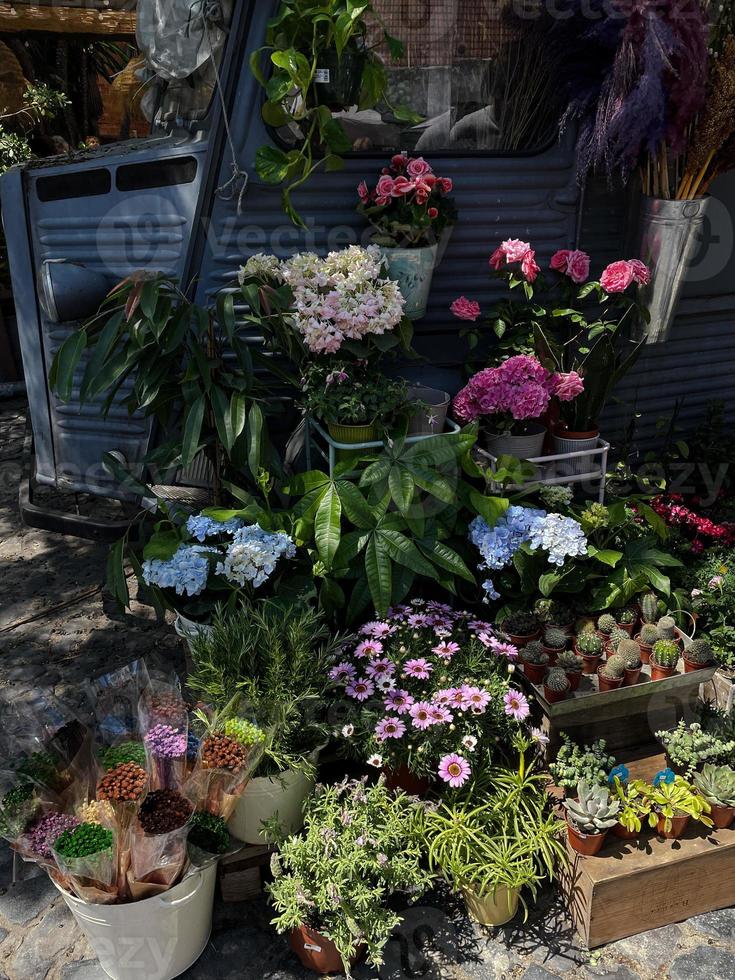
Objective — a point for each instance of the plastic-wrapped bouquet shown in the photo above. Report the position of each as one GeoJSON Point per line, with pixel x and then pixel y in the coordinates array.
{"type": "Point", "coordinates": [429, 691]}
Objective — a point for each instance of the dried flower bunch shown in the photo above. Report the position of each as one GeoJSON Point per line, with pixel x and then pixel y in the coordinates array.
{"type": "Point", "coordinates": [165, 742]}
{"type": "Point", "coordinates": [164, 810]}
{"type": "Point", "coordinates": [221, 752]}
{"type": "Point", "coordinates": [83, 841]}
{"type": "Point", "coordinates": [44, 832]}
{"type": "Point", "coordinates": [125, 783]}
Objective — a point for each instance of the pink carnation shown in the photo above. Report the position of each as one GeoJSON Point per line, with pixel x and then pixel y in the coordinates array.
{"type": "Point", "coordinates": [465, 309]}
{"type": "Point", "coordinates": [568, 386]}
{"type": "Point", "coordinates": [617, 277]}
{"type": "Point", "coordinates": [573, 263]}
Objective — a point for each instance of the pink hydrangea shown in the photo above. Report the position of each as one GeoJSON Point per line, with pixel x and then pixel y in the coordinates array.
{"type": "Point", "coordinates": [568, 386]}
{"type": "Point", "coordinates": [455, 770]}
{"type": "Point", "coordinates": [465, 309]}
{"type": "Point", "coordinates": [573, 263]}
{"type": "Point", "coordinates": [520, 387]}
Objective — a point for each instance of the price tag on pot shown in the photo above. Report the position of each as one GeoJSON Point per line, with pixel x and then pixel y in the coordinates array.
{"type": "Point", "coordinates": [312, 947]}
{"type": "Point", "coordinates": [322, 76]}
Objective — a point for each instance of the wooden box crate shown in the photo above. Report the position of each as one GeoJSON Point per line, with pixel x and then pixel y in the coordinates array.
{"type": "Point", "coordinates": [241, 873]}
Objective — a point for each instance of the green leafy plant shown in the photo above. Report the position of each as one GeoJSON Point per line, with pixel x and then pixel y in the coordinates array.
{"type": "Point", "coordinates": [665, 653]}
{"type": "Point", "coordinates": [674, 799]}
{"type": "Point", "coordinates": [349, 393]}
{"type": "Point", "coordinates": [689, 746]}
{"type": "Point", "coordinates": [360, 845]}
{"type": "Point", "coordinates": [594, 812]}
{"type": "Point", "coordinates": [716, 784]}
{"type": "Point", "coordinates": [304, 40]}
{"type": "Point", "coordinates": [209, 832]}
{"type": "Point", "coordinates": [575, 763]}
{"type": "Point", "coordinates": [723, 641]}
{"type": "Point", "coordinates": [634, 803]}
{"type": "Point", "coordinates": [39, 103]}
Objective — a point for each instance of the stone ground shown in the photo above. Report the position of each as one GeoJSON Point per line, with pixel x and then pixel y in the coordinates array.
{"type": "Point", "coordinates": [57, 631]}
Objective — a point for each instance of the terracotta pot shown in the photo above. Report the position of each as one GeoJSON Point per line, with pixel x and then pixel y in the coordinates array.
{"type": "Point", "coordinates": [316, 952]}
{"type": "Point", "coordinates": [678, 826]}
{"type": "Point", "coordinates": [645, 650]}
{"type": "Point", "coordinates": [608, 683]}
{"type": "Point", "coordinates": [628, 627]}
{"type": "Point", "coordinates": [574, 677]}
{"type": "Point", "coordinates": [403, 778]}
{"type": "Point", "coordinates": [690, 667]}
{"type": "Point", "coordinates": [722, 816]}
{"type": "Point", "coordinates": [661, 673]}
{"type": "Point", "coordinates": [553, 697]}
{"type": "Point", "coordinates": [587, 844]}
{"type": "Point", "coordinates": [632, 676]}
{"type": "Point", "coordinates": [522, 641]}
{"type": "Point", "coordinates": [591, 663]}
{"type": "Point", "coordinates": [552, 653]}
{"type": "Point", "coordinates": [623, 833]}
{"type": "Point", "coordinates": [494, 909]}
{"type": "Point", "coordinates": [535, 672]}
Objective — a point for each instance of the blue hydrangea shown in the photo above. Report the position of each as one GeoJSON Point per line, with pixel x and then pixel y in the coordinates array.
{"type": "Point", "coordinates": [491, 592]}
{"type": "Point", "coordinates": [253, 555]}
{"type": "Point", "coordinates": [186, 572]}
{"type": "Point", "coordinates": [202, 527]}
{"type": "Point", "coordinates": [561, 536]}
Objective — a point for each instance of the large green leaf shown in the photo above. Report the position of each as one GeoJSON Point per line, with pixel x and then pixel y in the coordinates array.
{"type": "Point", "coordinates": [355, 506]}
{"type": "Point", "coordinates": [448, 559]}
{"type": "Point", "coordinates": [271, 164]}
{"type": "Point", "coordinates": [104, 344]}
{"type": "Point", "coordinates": [607, 556]}
{"type": "Point", "coordinates": [61, 376]}
{"type": "Point", "coordinates": [491, 509]}
{"type": "Point", "coordinates": [379, 575]}
{"type": "Point", "coordinates": [192, 431]}
{"type": "Point", "coordinates": [401, 486]}
{"type": "Point", "coordinates": [328, 525]}
{"type": "Point", "coordinates": [402, 550]}
{"type": "Point", "coordinates": [255, 434]}
{"type": "Point", "coordinates": [162, 545]}
{"type": "Point", "coordinates": [117, 582]}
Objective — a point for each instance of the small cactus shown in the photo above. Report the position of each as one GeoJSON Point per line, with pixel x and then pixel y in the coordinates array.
{"type": "Point", "coordinates": [590, 644]}
{"type": "Point", "coordinates": [649, 634]}
{"type": "Point", "coordinates": [665, 653]}
{"type": "Point", "coordinates": [617, 636]}
{"type": "Point", "coordinates": [614, 668]}
{"type": "Point", "coordinates": [630, 653]}
{"type": "Point", "coordinates": [700, 652]}
{"type": "Point", "coordinates": [625, 616]}
{"type": "Point", "coordinates": [606, 624]}
{"type": "Point", "coordinates": [584, 625]}
{"type": "Point", "coordinates": [520, 624]}
{"type": "Point", "coordinates": [555, 638]}
{"type": "Point", "coordinates": [667, 628]}
{"type": "Point", "coordinates": [533, 653]}
{"type": "Point", "coordinates": [568, 660]}
{"type": "Point", "coordinates": [557, 680]}
{"type": "Point", "coordinates": [649, 608]}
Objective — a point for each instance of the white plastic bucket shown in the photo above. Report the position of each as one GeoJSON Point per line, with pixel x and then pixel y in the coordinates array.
{"type": "Point", "coordinates": [156, 939]}
{"type": "Point", "coordinates": [188, 630]}
{"type": "Point", "coordinates": [264, 797]}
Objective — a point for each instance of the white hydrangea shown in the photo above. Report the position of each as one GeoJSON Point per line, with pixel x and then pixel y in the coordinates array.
{"type": "Point", "coordinates": [253, 555]}
{"type": "Point", "coordinates": [261, 266]}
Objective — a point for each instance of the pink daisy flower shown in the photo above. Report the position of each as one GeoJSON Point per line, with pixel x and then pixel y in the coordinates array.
{"type": "Point", "coordinates": [382, 666]}
{"type": "Point", "coordinates": [342, 673]}
{"type": "Point", "coordinates": [399, 701]}
{"type": "Point", "coordinates": [445, 650]}
{"type": "Point", "coordinates": [369, 648]}
{"type": "Point", "coordinates": [419, 619]}
{"type": "Point", "coordinates": [421, 715]}
{"type": "Point", "coordinates": [459, 697]}
{"type": "Point", "coordinates": [420, 668]}
{"type": "Point", "coordinates": [455, 770]}
{"type": "Point", "coordinates": [441, 715]}
{"type": "Point", "coordinates": [378, 630]}
{"type": "Point", "coordinates": [477, 699]}
{"type": "Point", "coordinates": [504, 649]}
{"type": "Point", "coordinates": [516, 705]}
{"type": "Point", "coordinates": [443, 697]}
{"type": "Point", "coordinates": [360, 689]}
{"type": "Point", "coordinates": [389, 728]}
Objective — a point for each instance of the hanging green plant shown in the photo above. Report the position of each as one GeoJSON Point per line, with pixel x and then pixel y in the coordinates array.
{"type": "Point", "coordinates": [320, 60]}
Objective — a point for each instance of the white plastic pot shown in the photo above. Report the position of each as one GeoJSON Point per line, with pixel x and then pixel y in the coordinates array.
{"type": "Point", "coordinates": [189, 630]}
{"type": "Point", "coordinates": [158, 938]}
{"type": "Point", "coordinates": [266, 796]}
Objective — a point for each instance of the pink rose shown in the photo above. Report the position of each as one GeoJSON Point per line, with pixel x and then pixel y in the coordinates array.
{"type": "Point", "coordinates": [617, 277]}
{"type": "Point", "coordinates": [418, 167]}
{"type": "Point", "coordinates": [401, 186]}
{"type": "Point", "coordinates": [529, 268]}
{"type": "Point", "coordinates": [465, 309]}
{"type": "Point", "coordinates": [515, 250]}
{"type": "Point", "coordinates": [362, 190]}
{"type": "Point", "coordinates": [568, 386]}
{"type": "Point", "coordinates": [445, 185]}
{"type": "Point", "coordinates": [398, 162]}
{"type": "Point", "coordinates": [641, 272]}
{"type": "Point", "coordinates": [497, 259]}
{"type": "Point", "coordinates": [573, 263]}
{"type": "Point", "coordinates": [384, 190]}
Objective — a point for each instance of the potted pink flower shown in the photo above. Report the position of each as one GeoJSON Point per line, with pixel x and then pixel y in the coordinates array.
{"type": "Point", "coordinates": [410, 210]}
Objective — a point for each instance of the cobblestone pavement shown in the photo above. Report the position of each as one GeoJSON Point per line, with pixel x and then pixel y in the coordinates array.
{"type": "Point", "coordinates": [57, 630]}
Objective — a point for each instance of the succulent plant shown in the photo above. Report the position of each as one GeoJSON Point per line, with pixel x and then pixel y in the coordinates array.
{"type": "Point", "coordinates": [594, 812]}
{"type": "Point", "coordinates": [649, 634]}
{"type": "Point", "coordinates": [625, 616]}
{"type": "Point", "coordinates": [534, 653]}
{"type": "Point", "coordinates": [555, 638]}
{"type": "Point", "coordinates": [575, 763]}
{"type": "Point", "coordinates": [617, 636]}
{"type": "Point", "coordinates": [589, 643]}
{"type": "Point", "coordinates": [520, 624]}
{"type": "Point", "coordinates": [557, 681]}
{"type": "Point", "coordinates": [552, 612]}
{"type": "Point", "coordinates": [667, 628]}
{"type": "Point", "coordinates": [716, 784]}
{"type": "Point", "coordinates": [568, 660]}
{"type": "Point", "coordinates": [649, 608]}
{"type": "Point", "coordinates": [630, 653]}
{"type": "Point", "coordinates": [606, 624]}
{"type": "Point", "coordinates": [700, 652]}
{"type": "Point", "coordinates": [614, 668]}
{"type": "Point", "coordinates": [665, 653]}
{"type": "Point", "coordinates": [689, 746]}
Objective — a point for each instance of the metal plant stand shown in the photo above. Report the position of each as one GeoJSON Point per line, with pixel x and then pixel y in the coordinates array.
{"type": "Point", "coordinates": [547, 469]}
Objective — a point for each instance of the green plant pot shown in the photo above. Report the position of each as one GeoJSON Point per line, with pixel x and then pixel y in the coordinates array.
{"type": "Point", "coordinates": [413, 270]}
{"type": "Point", "coordinates": [352, 435]}
{"type": "Point", "coordinates": [494, 909]}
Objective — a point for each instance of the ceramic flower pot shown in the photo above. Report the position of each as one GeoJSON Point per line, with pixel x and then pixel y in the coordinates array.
{"type": "Point", "coordinates": [678, 826]}
{"type": "Point", "coordinates": [660, 673]}
{"type": "Point", "coordinates": [722, 816]}
{"type": "Point", "coordinates": [535, 672]}
{"type": "Point", "coordinates": [566, 441]}
{"type": "Point", "coordinates": [628, 627]}
{"type": "Point", "coordinates": [552, 653]}
{"type": "Point", "coordinates": [413, 270]}
{"type": "Point", "coordinates": [587, 844]}
{"type": "Point", "coordinates": [493, 909]}
{"type": "Point", "coordinates": [431, 417]}
{"type": "Point", "coordinates": [530, 446]}
{"type": "Point", "coordinates": [632, 676]}
{"type": "Point", "coordinates": [265, 797]}
{"type": "Point", "coordinates": [574, 677]}
{"type": "Point", "coordinates": [316, 952]}
{"type": "Point", "coordinates": [554, 697]}
{"type": "Point", "coordinates": [608, 683]}
{"type": "Point", "coordinates": [402, 778]}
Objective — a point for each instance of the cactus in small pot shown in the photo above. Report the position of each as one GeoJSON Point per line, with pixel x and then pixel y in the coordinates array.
{"type": "Point", "coordinates": [611, 673]}
{"type": "Point", "coordinates": [590, 817]}
{"type": "Point", "coordinates": [664, 658]}
{"type": "Point", "coordinates": [556, 685]}
{"type": "Point", "coordinates": [649, 608]}
{"type": "Point", "coordinates": [535, 660]}
{"type": "Point", "coordinates": [555, 638]}
{"type": "Point", "coordinates": [649, 634]}
{"type": "Point", "coordinates": [697, 655]}
{"type": "Point", "coordinates": [630, 653]}
{"type": "Point", "coordinates": [717, 785]}
{"type": "Point", "coordinates": [572, 665]}
{"type": "Point", "coordinates": [589, 646]}
{"type": "Point", "coordinates": [667, 628]}
{"type": "Point", "coordinates": [606, 624]}
{"type": "Point", "coordinates": [617, 636]}
{"type": "Point", "coordinates": [625, 617]}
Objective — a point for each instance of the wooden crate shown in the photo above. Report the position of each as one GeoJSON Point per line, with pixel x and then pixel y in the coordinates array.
{"type": "Point", "coordinates": [241, 873]}
{"type": "Point", "coordinates": [634, 886]}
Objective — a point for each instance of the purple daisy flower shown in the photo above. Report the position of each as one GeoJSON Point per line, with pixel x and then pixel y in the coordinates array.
{"type": "Point", "coordinates": [421, 715]}
{"type": "Point", "coordinates": [381, 666]}
{"type": "Point", "coordinates": [446, 650]}
{"type": "Point", "coordinates": [516, 705]}
{"type": "Point", "coordinates": [478, 699]}
{"type": "Point", "coordinates": [369, 648]}
{"type": "Point", "coordinates": [420, 668]}
{"type": "Point", "coordinates": [360, 689]}
{"type": "Point", "coordinates": [455, 770]}
{"type": "Point", "coordinates": [389, 728]}
{"type": "Point", "coordinates": [399, 701]}
{"type": "Point", "coordinates": [441, 715]}
{"type": "Point", "coordinates": [342, 673]}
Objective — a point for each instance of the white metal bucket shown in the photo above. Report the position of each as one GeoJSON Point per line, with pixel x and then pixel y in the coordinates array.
{"type": "Point", "coordinates": [156, 939]}
{"type": "Point", "coordinates": [264, 797]}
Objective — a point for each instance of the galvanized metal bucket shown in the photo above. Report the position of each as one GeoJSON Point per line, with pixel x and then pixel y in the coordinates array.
{"type": "Point", "coordinates": [669, 235]}
{"type": "Point", "coordinates": [413, 270]}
